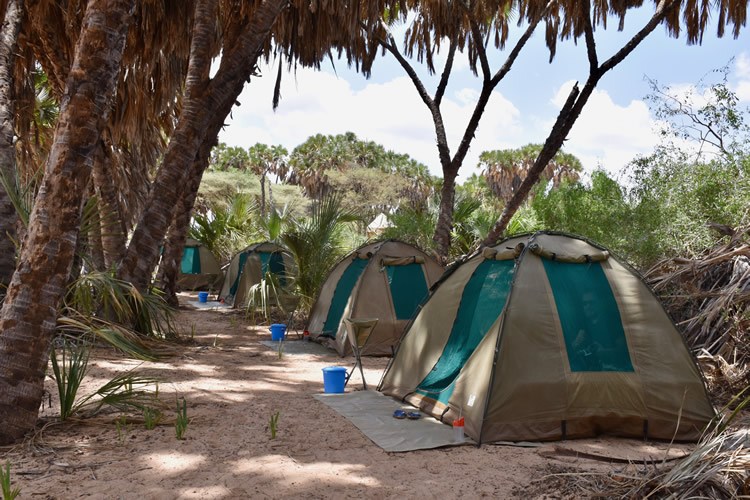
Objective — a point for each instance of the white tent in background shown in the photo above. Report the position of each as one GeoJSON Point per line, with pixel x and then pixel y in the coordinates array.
{"type": "Point", "coordinates": [378, 225]}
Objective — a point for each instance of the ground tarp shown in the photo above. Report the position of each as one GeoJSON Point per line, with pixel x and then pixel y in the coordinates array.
{"type": "Point", "coordinates": [372, 413]}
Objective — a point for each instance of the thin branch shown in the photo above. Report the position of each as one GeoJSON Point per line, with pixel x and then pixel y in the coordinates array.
{"type": "Point", "coordinates": [432, 105]}
{"type": "Point", "coordinates": [478, 42]}
{"type": "Point", "coordinates": [446, 73]}
{"type": "Point", "coordinates": [590, 42]}
{"type": "Point", "coordinates": [662, 9]}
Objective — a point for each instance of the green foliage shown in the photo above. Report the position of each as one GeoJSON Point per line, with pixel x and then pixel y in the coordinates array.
{"type": "Point", "coordinates": [181, 421]}
{"type": "Point", "coordinates": [316, 244]}
{"type": "Point", "coordinates": [124, 392]}
{"type": "Point", "coordinates": [226, 227]}
{"type": "Point", "coordinates": [505, 169]}
{"type": "Point", "coordinates": [597, 211]}
{"type": "Point", "coordinates": [224, 158]}
{"type": "Point", "coordinates": [116, 312]}
{"type": "Point", "coordinates": [9, 492]}
{"type": "Point", "coordinates": [68, 373]}
{"type": "Point", "coordinates": [356, 169]}
{"type": "Point", "coordinates": [269, 294]}
{"type": "Point", "coordinates": [273, 424]}
{"type": "Point", "coordinates": [151, 417]}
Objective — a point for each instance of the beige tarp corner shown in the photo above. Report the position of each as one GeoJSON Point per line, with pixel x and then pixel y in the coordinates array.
{"type": "Point", "coordinates": [371, 296]}
{"type": "Point", "coordinates": [574, 345]}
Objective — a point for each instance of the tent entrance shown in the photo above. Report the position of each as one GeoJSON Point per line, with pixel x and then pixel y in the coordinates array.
{"type": "Point", "coordinates": [341, 295]}
{"type": "Point", "coordinates": [191, 261]}
{"type": "Point", "coordinates": [408, 288]}
{"type": "Point", "coordinates": [589, 316]}
{"type": "Point", "coordinates": [482, 301]}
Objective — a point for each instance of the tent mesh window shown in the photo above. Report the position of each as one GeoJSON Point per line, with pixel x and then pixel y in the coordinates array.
{"type": "Point", "coordinates": [408, 288]}
{"type": "Point", "coordinates": [482, 301]}
{"type": "Point", "coordinates": [341, 295]}
{"type": "Point", "coordinates": [276, 267]}
{"type": "Point", "coordinates": [191, 261]}
{"type": "Point", "coordinates": [589, 316]}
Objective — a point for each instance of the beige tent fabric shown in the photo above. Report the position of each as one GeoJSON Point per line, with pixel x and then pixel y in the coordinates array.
{"type": "Point", "coordinates": [211, 274]}
{"type": "Point", "coordinates": [370, 296]}
{"type": "Point", "coordinates": [518, 384]}
{"type": "Point", "coordinates": [251, 273]}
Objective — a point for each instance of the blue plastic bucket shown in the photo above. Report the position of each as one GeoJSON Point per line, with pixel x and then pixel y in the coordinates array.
{"type": "Point", "coordinates": [334, 379]}
{"type": "Point", "coordinates": [202, 296]}
{"type": "Point", "coordinates": [277, 331]}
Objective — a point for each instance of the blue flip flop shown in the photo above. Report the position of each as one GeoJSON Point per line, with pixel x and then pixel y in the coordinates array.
{"type": "Point", "coordinates": [414, 415]}
{"type": "Point", "coordinates": [399, 414]}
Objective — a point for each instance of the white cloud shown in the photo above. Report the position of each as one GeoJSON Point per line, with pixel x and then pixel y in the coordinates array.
{"type": "Point", "coordinates": [607, 134]}
{"type": "Point", "coordinates": [742, 66]}
{"type": "Point", "coordinates": [390, 113]}
{"type": "Point", "coordinates": [742, 69]}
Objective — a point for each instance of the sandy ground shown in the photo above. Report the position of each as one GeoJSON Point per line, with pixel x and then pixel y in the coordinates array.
{"type": "Point", "coordinates": [233, 384]}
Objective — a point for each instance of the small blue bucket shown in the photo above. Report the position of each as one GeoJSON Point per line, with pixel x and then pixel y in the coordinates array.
{"type": "Point", "coordinates": [277, 331]}
{"type": "Point", "coordinates": [202, 296]}
{"type": "Point", "coordinates": [334, 379]}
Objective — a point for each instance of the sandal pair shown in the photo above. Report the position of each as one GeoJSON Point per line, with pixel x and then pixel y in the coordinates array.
{"type": "Point", "coordinates": [412, 415]}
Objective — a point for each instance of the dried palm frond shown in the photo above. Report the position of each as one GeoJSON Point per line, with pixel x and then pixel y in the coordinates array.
{"type": "Point", "coordinates": [709, 296]}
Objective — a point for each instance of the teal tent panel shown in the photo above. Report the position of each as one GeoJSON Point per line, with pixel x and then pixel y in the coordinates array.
{"type": "Point", "coordinates": [191, 261]}
{"type": "Point", "coordinates": [265, 257]}
{"type": "Point", "coordinates": [482, 301]}
{"type": "Point", "coordinates": [589, 316]}
{"type": "Point", "coordinates": [276, 266]}
{"type": "Point", "coordinates": [408, 288]}
{"type": "Point", "coordinates": [341, 295]}
{"type": "Point", "coordinates": [240, 270]}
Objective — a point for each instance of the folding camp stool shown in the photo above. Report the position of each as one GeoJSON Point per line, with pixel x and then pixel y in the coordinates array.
{"type": "Point", "coordinates": [358, 331]}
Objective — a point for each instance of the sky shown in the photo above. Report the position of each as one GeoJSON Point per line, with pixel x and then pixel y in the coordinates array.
{"type": "Point", "coordinates": [615, 127]}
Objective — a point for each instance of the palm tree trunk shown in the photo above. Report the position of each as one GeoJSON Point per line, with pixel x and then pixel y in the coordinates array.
{"type": "Point", "coordinates": [8, 216]}
{"type": "Point", "coordinates": [204, 102]}
{"type": "Point", "coordinates": [113, 232]}
{"type": "Point", "coordinates": [444, 225]}
{"type": "Point", "coordinates": [178, 230]}
{"type": "Point", "coordinates": [29, 313]}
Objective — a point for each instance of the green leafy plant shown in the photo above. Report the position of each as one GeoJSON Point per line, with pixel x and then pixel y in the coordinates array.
{"type": "Point", "coordinates": [151, 417]}
{"type": "Point", "coordinates": [9, 493]}
{"type": "Point", "coordinates": [68, 372]}
{"type": "Point", "coordinates": [124, 392]}
{"type": "Point", "coordinates": [273, 424]}
{"type": "Point", "coordinates": [181, 423]}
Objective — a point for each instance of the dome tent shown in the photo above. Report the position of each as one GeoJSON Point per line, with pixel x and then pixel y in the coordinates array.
{"type": "Point", "coordinates": [249, 266]}
{"type": "Point", "coordinates": [199, 268]}
{"type": "Point", "coordinates": [385, 280]}
{"type": "Point", "coordinates": [548, 336]}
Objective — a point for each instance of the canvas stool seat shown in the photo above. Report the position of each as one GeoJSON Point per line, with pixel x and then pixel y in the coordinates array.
{"type": "Point", "coordinates": [358, 331]}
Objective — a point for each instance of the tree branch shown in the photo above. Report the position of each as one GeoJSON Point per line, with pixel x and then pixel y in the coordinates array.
{"type": "Point", "coordinates": [478, 42]}
{"type": "Point", "coordinates": [662, 9]}
{"type": "Point", "coordinates": [432, 105]}
{"type": "Point", "coordinates": [590, 42]}
{"type": "Point", "coordinates": [446, 73]}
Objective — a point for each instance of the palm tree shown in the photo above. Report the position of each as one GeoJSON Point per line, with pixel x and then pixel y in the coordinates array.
{"type": "Point", "coordinates": [8, 217]}
{"type": "Point", "coordinates": [266, 160]}
{"type": "Point", "coordinates": [316, 244]}
{"type": "Point", "coordinates": [206, 104]}
{"type": "Point", "coordinates": [505, 169]}
{"type": "Point", "coordinates": [28, 315]}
